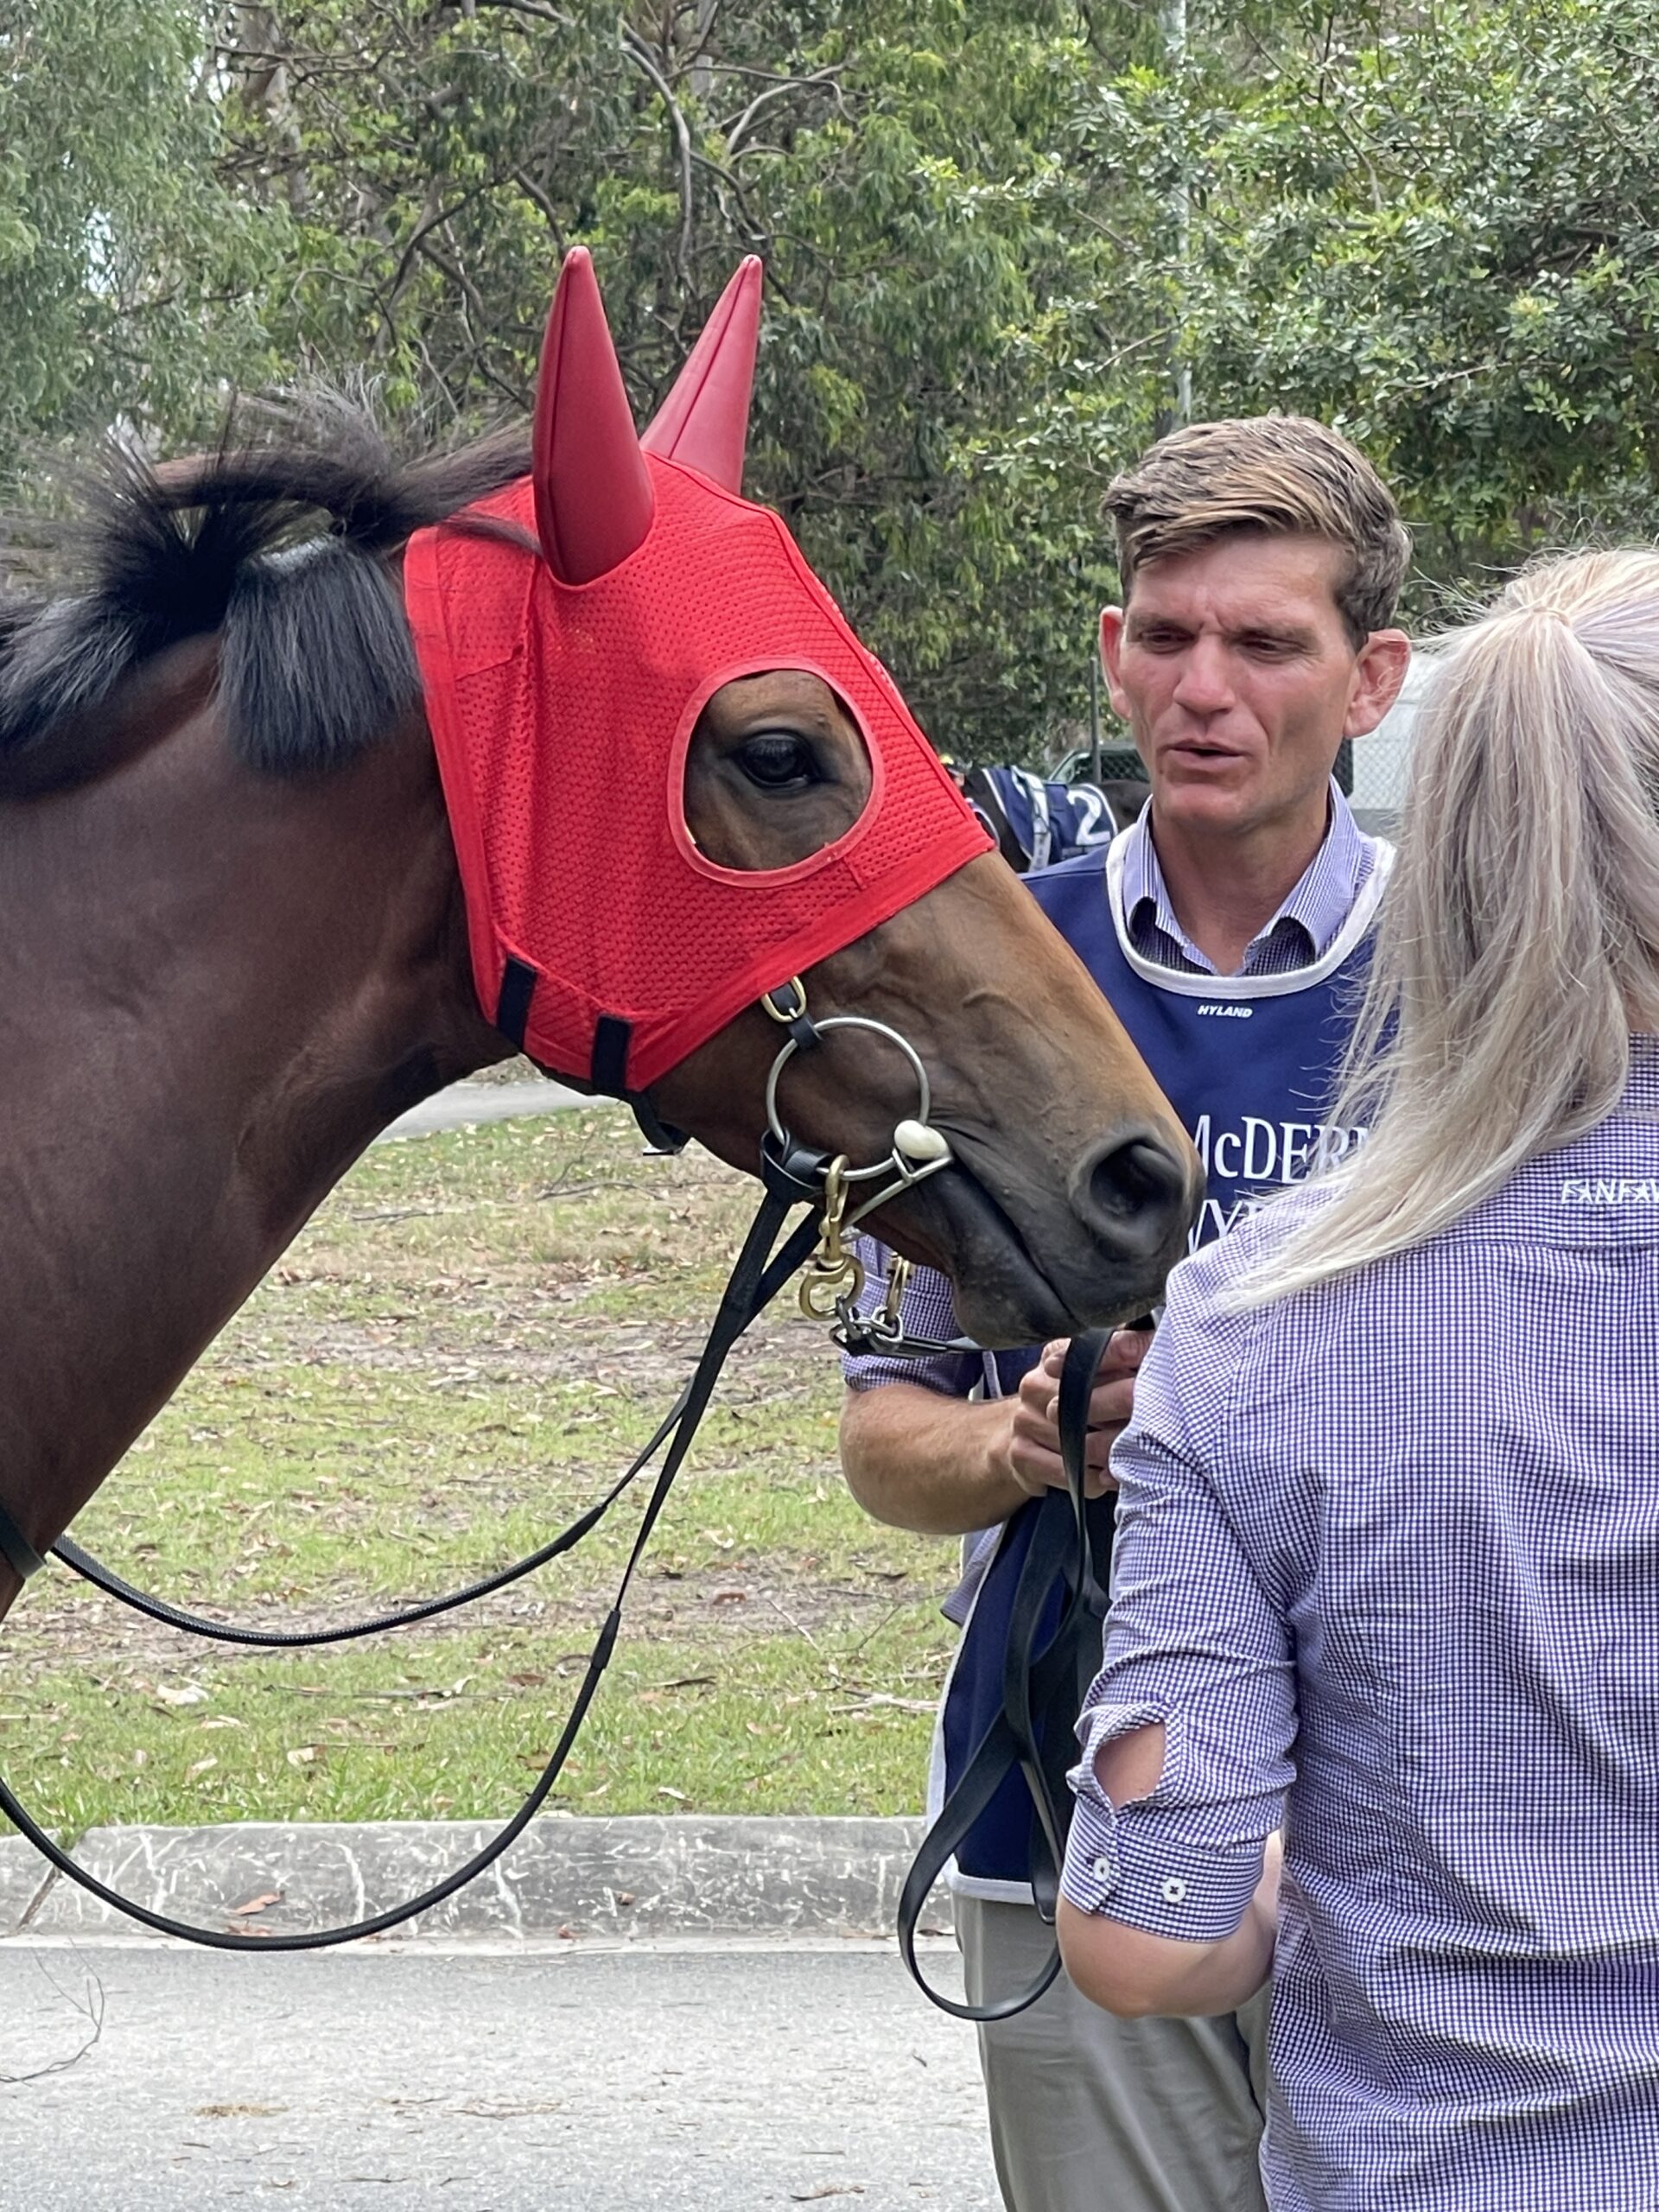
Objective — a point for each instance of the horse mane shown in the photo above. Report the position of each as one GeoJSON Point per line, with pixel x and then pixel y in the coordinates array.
{"type": "Point", "coordinates": [279, 544]}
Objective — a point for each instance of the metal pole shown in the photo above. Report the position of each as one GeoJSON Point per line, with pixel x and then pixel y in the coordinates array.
{"type": "Point", "coordinates": [1172, 21]}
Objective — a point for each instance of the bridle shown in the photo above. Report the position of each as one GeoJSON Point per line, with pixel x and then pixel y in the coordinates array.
{"type": "Point", "coordinates": [792, 1174]}
{"type": "Point", "coordinates": [836, 1274]}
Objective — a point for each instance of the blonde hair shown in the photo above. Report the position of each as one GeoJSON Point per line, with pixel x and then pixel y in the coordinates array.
{"type": "Point", "coordinates": [1284, 475]}
{"type": "Point", "coordinates": [1519, 940]}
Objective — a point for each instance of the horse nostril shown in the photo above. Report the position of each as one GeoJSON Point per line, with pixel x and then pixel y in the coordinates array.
{"type": "Point", "coordinates": [1133, 1193]}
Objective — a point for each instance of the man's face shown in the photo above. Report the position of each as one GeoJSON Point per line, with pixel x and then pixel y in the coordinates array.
{"type": "Point", "coordinates": [1238, 680]}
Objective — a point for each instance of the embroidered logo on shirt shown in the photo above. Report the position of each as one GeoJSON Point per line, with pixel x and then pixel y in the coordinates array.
{"type": "Point", "coordinates": [1586, 1190]}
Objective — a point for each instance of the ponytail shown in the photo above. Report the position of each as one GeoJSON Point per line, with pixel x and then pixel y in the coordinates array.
{"type": "Point", "coordinates": [1518, 943]}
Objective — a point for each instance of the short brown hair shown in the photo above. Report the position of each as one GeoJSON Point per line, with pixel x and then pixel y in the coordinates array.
{"type": "Point", "coordinates": [1280, 473]}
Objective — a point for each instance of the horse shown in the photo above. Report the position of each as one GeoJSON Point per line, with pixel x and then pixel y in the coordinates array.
{"type": "Point", "coordinates": [237, 937]}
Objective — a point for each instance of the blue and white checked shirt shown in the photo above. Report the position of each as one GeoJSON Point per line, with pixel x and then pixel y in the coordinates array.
{"type": "Point", "coordinates": [1318, 905]}
{"type": "Point", "coordinates": [1390, 1551]}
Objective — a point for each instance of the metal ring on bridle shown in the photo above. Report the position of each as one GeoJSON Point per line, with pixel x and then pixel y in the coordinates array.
{"type": "Point", "coordinates": [851, 1021]}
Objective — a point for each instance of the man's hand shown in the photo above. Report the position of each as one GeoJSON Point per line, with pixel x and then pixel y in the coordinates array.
{"type": "Point", "coordinates": [1034, 1439]}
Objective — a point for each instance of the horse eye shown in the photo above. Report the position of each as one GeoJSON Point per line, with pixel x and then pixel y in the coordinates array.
{"type": "Point", "coordinates": [777, 759]}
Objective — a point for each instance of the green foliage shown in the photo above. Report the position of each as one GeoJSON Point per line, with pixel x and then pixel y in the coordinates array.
{"type": "Point", "coordinates": [1008, 241]}
{"type": "Point", "coordinates": [1431, 228]}
{"type": "Point", "coordinates": [892, 163]}
{"type": "Point", "coordinates": [124, 260]}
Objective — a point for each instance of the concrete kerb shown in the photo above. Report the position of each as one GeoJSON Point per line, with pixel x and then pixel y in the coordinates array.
{"type": "Point", "coordinates": [651, 1877]}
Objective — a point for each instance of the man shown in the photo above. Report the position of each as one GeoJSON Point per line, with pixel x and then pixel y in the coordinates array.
{"type": "Point", "coordinates": [1260, 561]}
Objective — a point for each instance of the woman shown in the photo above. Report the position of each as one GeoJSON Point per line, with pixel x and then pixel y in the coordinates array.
{"type": "Point", "coordinates": [1388, 1568]}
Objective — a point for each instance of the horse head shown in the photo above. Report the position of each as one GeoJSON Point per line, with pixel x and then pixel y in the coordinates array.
{"type": "Point", "coordinates": [296, 826]}
{"type": "Point", "coordinates": [670, 668]}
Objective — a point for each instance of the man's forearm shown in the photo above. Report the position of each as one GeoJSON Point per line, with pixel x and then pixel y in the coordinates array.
{"type": "Point", "coordinates": [920, 1460]}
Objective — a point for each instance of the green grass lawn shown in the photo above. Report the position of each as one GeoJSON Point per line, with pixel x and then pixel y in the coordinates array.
{"type": "Point", "coordinates": [461, 1352]}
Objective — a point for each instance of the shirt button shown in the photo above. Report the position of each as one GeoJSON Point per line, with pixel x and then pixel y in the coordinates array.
{"type": "Point", "coordinates": [1174, 1889]}
{"type": "Point", "coordinates": [1103, 1870]}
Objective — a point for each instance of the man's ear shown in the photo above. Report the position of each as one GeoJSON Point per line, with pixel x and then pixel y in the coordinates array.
{"type": "Point", "coordinates": [1383, 660]}
{"type": "Point", "coordinates": [1111, 649]}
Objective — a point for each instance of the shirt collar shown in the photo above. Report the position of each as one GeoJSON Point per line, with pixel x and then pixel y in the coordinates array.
{"type": "Point", "coordinates": [1318, 903]}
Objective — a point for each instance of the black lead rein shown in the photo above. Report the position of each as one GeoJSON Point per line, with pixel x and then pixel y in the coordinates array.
{"type": "Point", "coordinates": [759, 1273]}
{"type": "Point", "coordinates": [1044, 1684]}
{"type": "Point", "coordinates": [295, 1639]}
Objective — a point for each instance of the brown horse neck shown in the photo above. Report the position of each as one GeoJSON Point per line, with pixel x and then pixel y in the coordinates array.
{"type": "Point", "coordinates": [216, 987]}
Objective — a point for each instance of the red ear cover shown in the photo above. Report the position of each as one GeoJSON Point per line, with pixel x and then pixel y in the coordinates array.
{"type": "Point", "coordinates": [704, 421]}
{"type": "Point", "coordinates": [592, 491]}
{"type": "Point", "coordinates": [558, 690]}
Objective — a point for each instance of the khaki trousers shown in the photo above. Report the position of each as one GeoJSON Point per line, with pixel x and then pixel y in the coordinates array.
{"type": "Point", "coordinates": [1090, 2114]}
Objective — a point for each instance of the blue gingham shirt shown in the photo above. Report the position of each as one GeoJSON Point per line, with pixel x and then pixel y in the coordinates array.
{"type": "Point", "coordinates": [1388, 1552]}
{"type": "Point", "coordinates": [1318, 905]}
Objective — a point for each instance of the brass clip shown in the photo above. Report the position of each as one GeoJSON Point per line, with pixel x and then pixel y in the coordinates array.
{"type": "Point", "coordinates": [887, 1319]}
{"type": "Point", "coordinates": [833, 1273]}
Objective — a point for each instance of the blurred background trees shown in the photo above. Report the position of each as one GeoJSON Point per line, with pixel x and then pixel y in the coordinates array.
{"type": "Point", "coordinates": [1007, 242]}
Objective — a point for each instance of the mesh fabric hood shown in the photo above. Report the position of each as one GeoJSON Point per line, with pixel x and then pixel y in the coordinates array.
{"type": "Point", "coordinates": [560, 714]}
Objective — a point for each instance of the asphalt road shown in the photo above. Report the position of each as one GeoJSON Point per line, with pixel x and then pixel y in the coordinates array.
{"type": "Point", "coordinates": [575, 2079]}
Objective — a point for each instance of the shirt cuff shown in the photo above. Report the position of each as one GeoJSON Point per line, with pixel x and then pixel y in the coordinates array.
{"type": "Point", "coordinates": [1123, 1862]}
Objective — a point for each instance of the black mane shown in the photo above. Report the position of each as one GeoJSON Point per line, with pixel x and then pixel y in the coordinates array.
{"type": "Point", "coordinates": [278, 545]}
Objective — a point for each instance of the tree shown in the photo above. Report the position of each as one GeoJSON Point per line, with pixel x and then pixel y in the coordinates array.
{"type": "Point", "coordinates": [894, 164]}
{"type": "Point", "coordinates": [122, 259]}
{"type": "Point", "coordinates": [1434, 229]}
{"type": "Point", "coordinates": [1468, 206]}
{"type": "Point", "coordinates": [1008, 242]}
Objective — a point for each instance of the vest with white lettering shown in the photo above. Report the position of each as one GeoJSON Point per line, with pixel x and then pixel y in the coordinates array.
{"type": "Point", "coordinates": [1248, 1063]}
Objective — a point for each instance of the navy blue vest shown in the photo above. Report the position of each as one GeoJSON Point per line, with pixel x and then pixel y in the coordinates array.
{"type": "Point", "coordinates": [1247, 1063]}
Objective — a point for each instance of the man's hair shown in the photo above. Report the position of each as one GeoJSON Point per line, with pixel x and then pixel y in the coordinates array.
{"type": "Point", "coordinates": [1281, 474]}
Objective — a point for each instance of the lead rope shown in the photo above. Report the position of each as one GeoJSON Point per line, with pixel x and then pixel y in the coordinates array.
{"type": "Point", "coordinates": [755, 1280]}
{"type": "Point", "coordinates": [1042, 1691]}
{"type": "Point", "coordinates": [792, 1174]}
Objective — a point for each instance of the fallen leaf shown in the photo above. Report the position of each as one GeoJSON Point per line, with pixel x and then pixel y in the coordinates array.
{"type": "Point", "coordinates": [829, 2188]}
{"type": "Point", "coordinates": [729, 1597]}
{"type": "Point", "coordinates": [186, 1694]}
{"type": "Point", "coordinates": [258, 1903]}
{"type": "Point", "coordinates": [303, 1755]}
{"type": "Point", "coordinates": [678, 1795]}
{"type": "Point", "coordinates": [202, 1766]}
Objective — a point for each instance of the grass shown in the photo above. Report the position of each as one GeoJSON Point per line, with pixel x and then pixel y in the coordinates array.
{"type": "Point", "coordinates": [463, 1349]}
